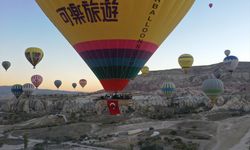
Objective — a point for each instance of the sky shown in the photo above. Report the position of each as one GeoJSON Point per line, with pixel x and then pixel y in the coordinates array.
{"type": "Point", "coordinates": [204, 32]}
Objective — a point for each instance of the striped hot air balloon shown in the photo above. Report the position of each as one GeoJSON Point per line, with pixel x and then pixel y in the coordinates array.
{"type": "Point", "coordinates": [213, 88]}
{"type": "Point", "coordinates": [17, 90]}
{"type": "Point", "coordinates": [6, 65]}
{"type": "Point", "coordinates": [58, 83]}
{"type": "Point", "coordinates": [28, 89]}
{"type": "Point", "coordinates": [115, 38]}
{"type": "Point", "coordinates": [37, 80]}
{"type": "Point", "coordinates": [145, 70]}
{"type": "Point", "coordinates": [231, 63]}
{"type": "Point", "coordinates": [186, 62]}
{"type": "Point", "coordinates": [168, 88]}
{"type": "Point", "coordinates": [34, 55]}
{"type": "Point", "coordinates": [83, 83]}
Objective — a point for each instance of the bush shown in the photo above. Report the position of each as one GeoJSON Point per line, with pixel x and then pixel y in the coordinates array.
{"type": "Point", "coordinates": [152, 147]}
{"type": "Point", "coordinates": [173, 132]}
{"type": "Point", "coordinates": [39, 146]}
{"type": "Point", "coordinates": [25, 141]}
{"type": "Point", "coordinates": [194, 127]}
{"type": "Point", "coordinates": [187, 131]}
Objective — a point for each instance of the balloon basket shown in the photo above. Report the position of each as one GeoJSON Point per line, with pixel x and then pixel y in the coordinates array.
{"type": "Point", "coordinates": [115, 104]}
{"type": "Point", "coordinates": [213, 100]}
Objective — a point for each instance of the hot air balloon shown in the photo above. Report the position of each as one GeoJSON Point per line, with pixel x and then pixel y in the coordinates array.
{"type": "Point", "coordinates": [34, 55]}
{"type": "Point", "coordinates": [17, 90]}
{"type": "Point", "coordinates": [74, 85]}
{"type": "Point", "coordinates": [58, 83]}
{"type": "Point", "coordinates": [231, 63]}
{"type": "Point", "coordinates": [210, 5]}
{"type": "Point", "coordinates": [145, 70]}
{"type": "Point", "coordinates": [168, 88]}
{"type": "Point", "coordinates": [114, 42]}
{"type": "Point", "coordinates": [186, 62]}
{"type": "Point", "coordinates": [6, 65]}
{"type": "Point", "coordinates": [213, 88]}
{"type": "Point", "coordinates": [28, 89]}
{"type": "Point", "coordinates": [83, 83]}
{"type": "Point", "coordinates": [227, 52]}
{"type": "Point", "coordinates": [37, 80]}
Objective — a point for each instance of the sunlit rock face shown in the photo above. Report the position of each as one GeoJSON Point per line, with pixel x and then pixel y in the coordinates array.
{"type": "Point", "coordinates": [147, 95]}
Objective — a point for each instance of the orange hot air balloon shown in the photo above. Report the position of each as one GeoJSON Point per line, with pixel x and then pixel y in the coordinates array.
{"type": "Point", "coordinates": [83, 83]}
{"type": "Point", "coordinates": [115, 37]}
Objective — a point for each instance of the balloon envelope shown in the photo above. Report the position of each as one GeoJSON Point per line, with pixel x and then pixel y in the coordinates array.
{"type": "Point", "coordinates": [34, 55]}
{"type": "Point", "coordinates": [186, 61]}
{"type": "Point", "coordinates": [213, 88]}
{"type": "Point", "coordinates": [227, 52]}
{"type": "Point", "coordinates": [28, 89]}
{"type": "Point", "coordinates": [231, 63]}
{"type": "Point", "coordinates": [168, 88]}
{"type": "Point", "coordinates": [210, 5]}
{"type": "Point", "coordinates": [6, 65]}
{"type": "Point", "coordinates": [37, 80]}
{"type": "Point", "coordinates": [58, 83]}
{"type": "Point", "coordinates": [74, 85]}
{"type": "Point", "coordinates": [113, 40]}
{"type": "Point", "coordinates": [83, 83]}
{"type": "Point", "coordinates": [17, 90]}
{"type": "Point", "coordinates": [145, 70]}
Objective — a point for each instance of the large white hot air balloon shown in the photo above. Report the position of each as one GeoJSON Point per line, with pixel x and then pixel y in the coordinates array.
{"type": "Point", "coordinates": [28, 89]}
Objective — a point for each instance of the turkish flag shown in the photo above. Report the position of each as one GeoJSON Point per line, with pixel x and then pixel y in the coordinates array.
{"type": "Point", "coordinates": [113, 107]}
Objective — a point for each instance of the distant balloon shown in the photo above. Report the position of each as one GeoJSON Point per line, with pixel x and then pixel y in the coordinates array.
{"type": "Point", "coordinates": [168, 88]}
{"type": "Point", "coordinates": [186, 62]}
{"type": "Point", "coordinates": [83, 83]}
{"type": "Point", "coordinates": [74, 85]}
{"type": "Point", "coordinates": [6, 65]}
{"type": "Point", "coordinates": [210, 5]}
{"type": "Point", "coordinates": [145, 70]}
{"type": "Point", "coordinates": [34, 55]}
{"type": "Point", "coordinates": [37, 80]}
{"type": "Point", "coordinates": [28, 89]}
{"type": "Point", "coordinates": [213, 88]}
{"type": "Point", "coordinates": [17, 90]}
{"type": "Point", "coordinates": [227, 52]}
{"type": "Point", "coordinates": [231, 63]}
{"type": "Point", "coordinates": [58, 83]}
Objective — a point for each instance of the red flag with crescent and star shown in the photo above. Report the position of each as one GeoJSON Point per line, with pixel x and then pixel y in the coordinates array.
{"type": "Point", "coordinates": [113, 107]}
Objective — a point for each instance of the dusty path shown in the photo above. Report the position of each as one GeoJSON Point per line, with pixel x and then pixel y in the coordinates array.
{"type": "Point", "coordinates": [233, 133]}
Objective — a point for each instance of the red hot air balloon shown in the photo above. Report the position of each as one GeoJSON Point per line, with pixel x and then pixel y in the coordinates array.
{"type": "Point", "coordinates": [37, 80]}
{"type": "Point", "coordinates": [210, 5]}
{"type": "Point", "coordinates": [83, 83]}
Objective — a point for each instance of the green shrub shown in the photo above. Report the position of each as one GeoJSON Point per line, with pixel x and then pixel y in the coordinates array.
{"type": "Point", "coordinates": [173, 132]}
{"type": "Point", "coordinates": [25, 141]}
{"type": "Point", "coordinates": [39, 146]}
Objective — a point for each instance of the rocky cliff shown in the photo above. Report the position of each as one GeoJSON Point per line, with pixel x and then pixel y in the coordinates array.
{"type": "Point", "coordinates": [147, 94]}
